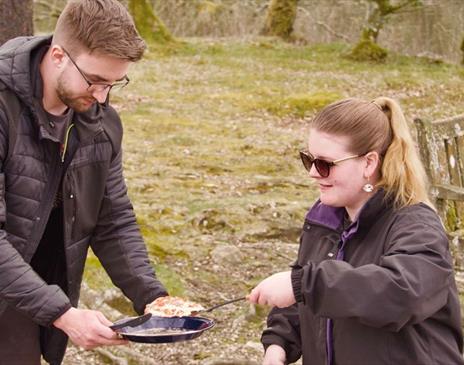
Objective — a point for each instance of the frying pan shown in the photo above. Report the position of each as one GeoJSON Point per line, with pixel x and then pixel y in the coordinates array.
{"type": "Point", "coordinates": [166, 329]}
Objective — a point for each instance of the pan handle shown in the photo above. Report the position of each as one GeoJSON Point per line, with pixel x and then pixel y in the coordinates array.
{"type": "Point", "coordinates": [218, 305]}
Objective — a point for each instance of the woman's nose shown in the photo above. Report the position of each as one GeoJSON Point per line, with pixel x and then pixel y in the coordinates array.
{"type": "Point", "coordinates": [313, 172]}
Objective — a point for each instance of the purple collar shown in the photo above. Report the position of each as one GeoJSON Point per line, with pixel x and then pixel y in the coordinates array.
{"type": "Point", "coordinates": [331, 217]}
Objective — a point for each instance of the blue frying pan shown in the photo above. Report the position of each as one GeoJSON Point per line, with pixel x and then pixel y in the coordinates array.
{"type": "Point", "coordinates": [166, 329]}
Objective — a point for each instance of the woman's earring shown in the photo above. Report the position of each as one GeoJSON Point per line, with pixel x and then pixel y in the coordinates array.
{"type": "Point", "coordinates": [368, 188]}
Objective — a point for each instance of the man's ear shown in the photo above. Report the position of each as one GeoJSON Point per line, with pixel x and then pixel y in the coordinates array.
{"type": "Point", "coordinates": [57, 55]}
{"type": "Point", "coordinates": [372, 163]}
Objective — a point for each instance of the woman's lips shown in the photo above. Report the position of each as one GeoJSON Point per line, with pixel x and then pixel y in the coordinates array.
{"type": "Point", "coordinates": [324, 186]}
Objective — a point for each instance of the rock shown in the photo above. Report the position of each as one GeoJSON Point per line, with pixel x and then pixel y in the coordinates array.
{"type": "Point", "coordinates": [255, 346]}
{"type": "Point", "coordinates": [226, 254]}
{"type": "Point", "coordinates": [210, 220]}
{"type": "Point", "coordinates": [230, 362]}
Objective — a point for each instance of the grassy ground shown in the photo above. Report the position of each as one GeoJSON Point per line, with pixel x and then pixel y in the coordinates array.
{"type": "Point", "coordinates": [212, 133]}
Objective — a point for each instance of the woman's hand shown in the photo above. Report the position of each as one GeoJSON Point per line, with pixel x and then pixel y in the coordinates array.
{"type": "Point", "coordinates": [275, 291]}
{"type": "Point", "coordinates": [88, 328]}
{"type": "Point", "coordinates": [275, 355]}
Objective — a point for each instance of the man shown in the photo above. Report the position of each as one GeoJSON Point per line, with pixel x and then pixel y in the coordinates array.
{"type": "Point", "coordinates": [61, 183]}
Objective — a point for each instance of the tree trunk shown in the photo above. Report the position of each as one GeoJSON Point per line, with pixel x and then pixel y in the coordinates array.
{"type": "Point", "coordinates": [379, 16]}
{"type": "Point", "coordinates": [280, 18]}
{"type": "Point", "coordinates": [367, 48]}
{"type": "Point", "coordinates": [462, 50]}
{"type": "Point", "coordinates": [150, 27]}
{"type": "Point", "coordinates": [15, 19]}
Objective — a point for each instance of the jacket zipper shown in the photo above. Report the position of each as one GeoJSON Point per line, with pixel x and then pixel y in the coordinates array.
{"type": "Point", "coordinates": [66, 140]}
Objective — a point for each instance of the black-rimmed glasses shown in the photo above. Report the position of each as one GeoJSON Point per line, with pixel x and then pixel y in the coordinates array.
{"type": "Point", "coordinates": [98, 86]}
{"type": "Point", "coordinates": [322, 166]}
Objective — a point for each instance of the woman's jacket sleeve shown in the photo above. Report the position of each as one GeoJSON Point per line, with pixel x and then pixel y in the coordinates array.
{"type": "Point", "coordinates": [283, 329]}
{"type": "Point", "coordinates": [410, 282]}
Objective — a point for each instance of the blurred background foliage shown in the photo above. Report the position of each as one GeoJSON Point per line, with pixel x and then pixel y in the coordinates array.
{"type": "Point", "coordinates": [430, 28]}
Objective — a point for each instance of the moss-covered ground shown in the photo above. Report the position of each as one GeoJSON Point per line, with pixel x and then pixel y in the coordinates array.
{"type": "Point", "coordinates": [212, 133]}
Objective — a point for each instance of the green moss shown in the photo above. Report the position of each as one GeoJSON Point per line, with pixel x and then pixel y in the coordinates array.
{"type": "Point", "coordinates": [299, 105]}
{"type": "Point", "coordinates": [452, 220]}
{"type": "Point", "coordinates": [94, 274]}
{"type": "Point", "coordinates": [122, 304]}
{"type": "Point", "coordinates": [102, 359]}
{"type": "Point", "coordinates": [200, 355]}
{"type": "Point", "coordinates": [257, 314]}
{"type": "Point", "coordinates": [150, 27]}
{"type": "Point", "coordinates": [462, 50]}
{"type": "Point", "coordinates": [171, 280]}
{"type": "Point", "coordinates": [368, 33]}
{"type": "Point", "coordinates": [280, 18]}
{"type": "Point", "coordinates": [366, 50]}
{"type": "Point", "coordinates": [215, 50]}
{"type": "Point", "coordinates": [156, 249]}
{"type": "Point", "coordinates": [159, 235]}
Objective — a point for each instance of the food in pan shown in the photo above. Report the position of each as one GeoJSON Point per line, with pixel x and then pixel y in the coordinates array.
{"type": "Point", "coordinates": [172, 307]}
{"type": "Point", "coordinates": [161, 331]}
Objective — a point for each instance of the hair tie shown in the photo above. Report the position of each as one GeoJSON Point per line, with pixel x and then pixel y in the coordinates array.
{"type": "Point", "coordinates": [377, 105]}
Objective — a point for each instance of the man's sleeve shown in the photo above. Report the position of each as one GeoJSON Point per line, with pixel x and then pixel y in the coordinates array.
{"type": "Point", "coordinates": [118, 243]}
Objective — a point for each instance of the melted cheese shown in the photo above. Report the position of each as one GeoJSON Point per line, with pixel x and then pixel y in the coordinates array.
{"type": "Point", "coordinates": [172, 307]}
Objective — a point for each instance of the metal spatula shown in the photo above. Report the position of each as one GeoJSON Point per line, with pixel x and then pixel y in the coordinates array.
{"type": "Point", "coordinates": [194, 313]}
{"type": "Point", "coordinates": [130, 322]}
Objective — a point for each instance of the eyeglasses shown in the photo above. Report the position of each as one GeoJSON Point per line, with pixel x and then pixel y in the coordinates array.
{"type": "Point", "coordinates": [322, 166]}
{"type": "Point", "coordinates": [98, 86]}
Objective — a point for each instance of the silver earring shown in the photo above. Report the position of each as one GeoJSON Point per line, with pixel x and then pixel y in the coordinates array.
{"type": "Point", "coordinates": [368, 188]}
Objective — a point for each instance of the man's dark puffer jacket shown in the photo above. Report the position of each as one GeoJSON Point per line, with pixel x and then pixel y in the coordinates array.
{"type": "Point", "coordinates": [97, 211]}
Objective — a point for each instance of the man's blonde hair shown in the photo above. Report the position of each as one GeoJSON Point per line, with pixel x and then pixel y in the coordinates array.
{"type": "Point", "coordinates": [100, 26]}
{"type": "Point", "coordinates": [380, 126]}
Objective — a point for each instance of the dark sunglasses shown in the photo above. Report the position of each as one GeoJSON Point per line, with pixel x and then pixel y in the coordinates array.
{"type": "Point", "coordinates": [322, 166]}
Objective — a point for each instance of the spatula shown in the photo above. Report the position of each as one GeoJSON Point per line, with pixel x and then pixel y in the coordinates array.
{"type": "Point", "coordinates": [130, 322]}
{"type": "Point", "coordinates": [194, 313]}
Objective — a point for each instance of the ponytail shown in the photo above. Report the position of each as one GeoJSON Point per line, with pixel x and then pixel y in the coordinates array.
{"type": "Point", "coordinates": [403, 175]}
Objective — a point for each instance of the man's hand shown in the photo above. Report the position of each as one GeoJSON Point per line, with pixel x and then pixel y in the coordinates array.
{"type": "Point", "coordinates": [87, 328]}
{"type": "Point", "coordinates": [275, 355]}
{"type": "Point", "coordinates": [275, 291]}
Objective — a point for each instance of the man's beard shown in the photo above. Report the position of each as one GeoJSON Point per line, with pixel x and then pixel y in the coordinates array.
{"type": "Point", "coordinates": [79, 104]}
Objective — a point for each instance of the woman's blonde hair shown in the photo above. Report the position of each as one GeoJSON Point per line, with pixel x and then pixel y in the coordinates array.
{"type": "Point", "coordinates": [380, 126]}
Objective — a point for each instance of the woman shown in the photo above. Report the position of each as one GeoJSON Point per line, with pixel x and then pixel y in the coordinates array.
{"type": "Point", "coordinates": [373, 282]}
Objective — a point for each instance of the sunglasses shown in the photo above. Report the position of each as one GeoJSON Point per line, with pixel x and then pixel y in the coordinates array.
{"type": "Point", "coordinates": [322, 166]}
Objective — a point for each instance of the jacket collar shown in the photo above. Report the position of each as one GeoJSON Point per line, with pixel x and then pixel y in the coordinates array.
{"type": "Point", "coordinates": [15, 65]}
{"type": "Point", "coordinates": [332, 217]}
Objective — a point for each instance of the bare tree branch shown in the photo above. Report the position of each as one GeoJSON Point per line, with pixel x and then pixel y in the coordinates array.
{"type": "Point", "coordinates": [331, 31]}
